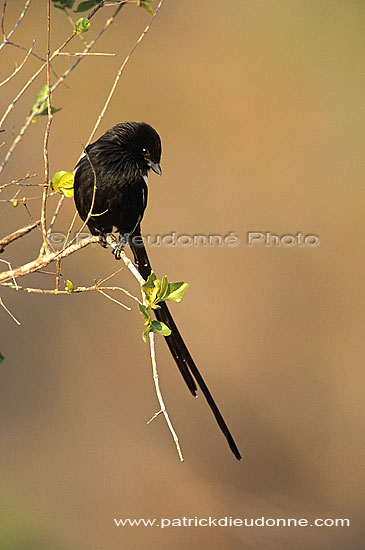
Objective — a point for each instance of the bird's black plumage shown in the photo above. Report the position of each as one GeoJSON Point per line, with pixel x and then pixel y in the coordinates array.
{"type": "Point", "coordinates": [110, 191]}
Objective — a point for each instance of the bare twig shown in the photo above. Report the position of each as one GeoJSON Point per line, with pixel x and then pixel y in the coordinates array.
{"type": "Point", "coordinates": [6, 309]}
{"type": "Point", "coordinates": [17, 234]}
{"type": "Point", "coordinates": [3, 20]}
{"type": "Point", "coordinates": [90, 213]}
{"type": "Point", "coordinates": [162, 410]}
{"type": "Point", "coordinates": [46, 135]}
{"type": "Point", "coordinates": [20, 182]}
{"type": "Point", "coordinates": [25, 199]}
{"type": "Point", "coordinates": [120, 72]}
{"type": "Point", "coordinates": [6, 38]}
{"type": "Point", "coordinates": [20, 47]}
{"type": "Point", "coordinates": [17, 69]}
{"type": "Point", "coordinates": [160, 399]}
{"type": "Point", "coordinates": [58, 269]}
{"type": "Point", "coordinates": [71, 227]}
{"type": "Point", "coordinates": [11, 273]}
{"type": "Point", "coordinates": [61, 79]}
{"type": "Point", "coordinates": [70, 54]}
{"type": "Point", "coordinates": [110, 276]}
{"type": "Point", "coordinates": [132, 268]}
{"type": "Point", "coordinates": [55, 214]}
{"type": "Point", "coordinates": [44, 260]}
{"type": "Point", "coordinates": [77, 290]}
{"type": "Point", "coordinates": [112, 299]}
{"type": "Point", "coordinates": [31, 80]}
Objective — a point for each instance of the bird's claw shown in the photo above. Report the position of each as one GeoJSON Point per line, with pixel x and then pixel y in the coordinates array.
{"type": "Point", "coordinates": [118, 247]}
{"type": "Point", "coordinates": [117, 250]}
{"type": "Point", "coordinates": [103, 241]}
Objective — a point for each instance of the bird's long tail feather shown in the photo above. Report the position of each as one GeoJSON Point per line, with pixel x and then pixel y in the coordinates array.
{"type": "Point", "coordinates": [178, 349]}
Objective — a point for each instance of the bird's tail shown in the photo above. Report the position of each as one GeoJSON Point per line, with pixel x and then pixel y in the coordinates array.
{"type": "Point", "coordinates": [178, 349]}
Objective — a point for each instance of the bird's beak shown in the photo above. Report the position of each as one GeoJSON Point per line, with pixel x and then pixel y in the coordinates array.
{"type": "Point", "coordinates": [156, 168]}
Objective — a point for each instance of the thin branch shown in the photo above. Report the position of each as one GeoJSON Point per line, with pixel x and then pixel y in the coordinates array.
{"type": "Point", "coordinates": [110, 276]}
{"type": "Point", "coordinates": [3, 20]}
{"type": "Point", "coordinates": [11, 273]}
{"type": "Point", "coordinates": [87, 49]}
{"type": "Point", "coordinates": [26, 199]}
{"type": "Point", "coordinates": [58, 273]}
{"type": "Point", "coordinates": [46, 134]}
{"type": "Point", "coordinates": [17, 234]}
{"type": "Point", "coordinates": [132, 268]}
{"type": "Point", "coordinates": [7, 311]}
{"type": "Point", "coordinates": [71, 227]}
{"type": "Point", "coordinates": [87, 53]}
{"type": "Point", "coordinates": [17, 69]}
{"type": "Point", "coordinates": [29, 119]}
{"type": "Point", "coordinates": [120, 72]}
{"type": "Point", "coordinates": [20, 47]}
{"type": "Point", "coordinates": [163, 409]}
{"type": "Point", "coordinates": [101, 5]}
{"type": "Point", "coordinates": [61, 79]}
{"type": "Point", "coordinates": [54, 217]}
{"type": "Point", "coordinates": [77, 290]}
{"type": "Point", "coordinates": [90, 213]}
{"type": "Point", "coordinates": [19, 181]}
{"type": "Point", "coordinates": [72, 23]}
{"type": "Point", "coordinates": [47, 256]}
{"type": "Point", "coordinates": [112, 299]}
{"type": "Point", "coordinates": [6, 38]}
{"type": "Point", "coordinates": [46, 259]}
{"type": "Point", "coordinates": [160, 399]}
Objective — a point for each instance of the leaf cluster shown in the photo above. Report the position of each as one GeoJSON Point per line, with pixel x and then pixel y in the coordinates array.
{"type": "Point", "coordinates": [156, 291]}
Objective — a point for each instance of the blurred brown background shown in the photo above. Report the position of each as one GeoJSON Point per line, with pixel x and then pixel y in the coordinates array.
{"type": "Point", "coordinates": [258, 105]}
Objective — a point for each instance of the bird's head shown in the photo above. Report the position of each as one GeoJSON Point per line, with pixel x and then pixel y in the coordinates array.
{"type": "Point", "coordinates": [151, 148]}
{"type": "Point", "coordinates": [141, 143]}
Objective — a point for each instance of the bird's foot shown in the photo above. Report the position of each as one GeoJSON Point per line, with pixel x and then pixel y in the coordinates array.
{"type": "Point", "coordinates": [103, 241]}
{"type": "Point", "coordinates": [118, 247]}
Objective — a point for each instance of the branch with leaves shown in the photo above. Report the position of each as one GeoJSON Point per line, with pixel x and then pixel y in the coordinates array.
{"type": "Point", "coordinates": [154, 291]}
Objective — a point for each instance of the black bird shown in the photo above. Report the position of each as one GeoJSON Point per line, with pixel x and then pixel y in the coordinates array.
{"type": "Point", "coordinates": [111, 181]}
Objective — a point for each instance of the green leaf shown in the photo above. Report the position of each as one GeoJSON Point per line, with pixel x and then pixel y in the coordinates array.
{"type": "Point", "coordinates": [63, 183]}
{"type": "Point", "coordinates": [163, 290]}
{"type": "Point", "coordinates": [82, 25]}
{"type": "Point", "coordinates": [145, 312]}
{"type": "Point", "coordinates": [176, 291]}
{"type": "Point", "coordinates": [154, 293]}
{"type": "Point", "coordinates": [84, 6]}
{"type": "Point", "coordinates": [149, 287]}
{"type": "Point", "coordinates": [1, 357]}
{"type": "Point", "coordinates": [160, 328]}
{"type": "Point", "coordinates": [62, 4]}
{"type": "Point", "coordinates": [40, 105]}
{"type": "Point", "coordinates": [145, 333]}
{"type": "Point", "coordinates": [56, 178]}
{"type": "Point", "coordinates": [145, 4]}
{"type": "Point", "coordinates": [69, 287]}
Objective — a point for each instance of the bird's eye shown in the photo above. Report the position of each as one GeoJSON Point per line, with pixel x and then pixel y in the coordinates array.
{"type": "Point", "coordinates": [145, 152]}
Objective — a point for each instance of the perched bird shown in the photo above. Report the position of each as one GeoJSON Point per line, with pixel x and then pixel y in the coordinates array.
{"type": "Point", "coordinates": [110, 190]}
